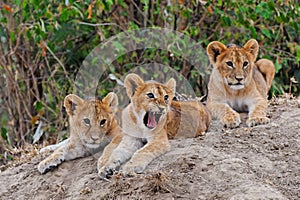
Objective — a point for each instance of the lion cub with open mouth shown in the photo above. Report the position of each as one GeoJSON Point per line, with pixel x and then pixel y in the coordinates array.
{"type": "Point", "coordinates": [149, 120]}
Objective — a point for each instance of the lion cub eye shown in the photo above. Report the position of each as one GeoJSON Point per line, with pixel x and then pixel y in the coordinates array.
{"type": "Point", "coordinates": [245, 64]}
{"type": "Point", "coordinates": [229, 64]}
{"type": "Point", "coordinates": [102, 122]}
{"type": "Point", "coordinates": [166, 97]}
{"type": "Point", "coordinates": [150, 95]}
{"type": "Point", "coordinates": [87, 121]}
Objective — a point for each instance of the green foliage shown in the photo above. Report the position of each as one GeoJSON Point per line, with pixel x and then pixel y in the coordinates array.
{"type": "Point", "coordinates": [44, 43]}
{"type": "Point", "coordinates": [4, 133]}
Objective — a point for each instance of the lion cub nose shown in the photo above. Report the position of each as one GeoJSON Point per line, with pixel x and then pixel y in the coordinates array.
{"type": "Point", "coordinates": [239, 78]}
{"type": "Point", "coordinates": [95, 138]}
{"type": "Point", "coordinates": [161, 109]}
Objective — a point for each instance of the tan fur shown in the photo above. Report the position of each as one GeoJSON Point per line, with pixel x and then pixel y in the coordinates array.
{"type": "Point", "coordinates": [185, 118]}
{"type": "Point", "coordinates": [239, 86]}
{"type": "Point", "coordinates": [92, 125]}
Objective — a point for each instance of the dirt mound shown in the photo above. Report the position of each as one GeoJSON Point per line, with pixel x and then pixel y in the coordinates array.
{"type": "Point", "coordinates": [244, 163]}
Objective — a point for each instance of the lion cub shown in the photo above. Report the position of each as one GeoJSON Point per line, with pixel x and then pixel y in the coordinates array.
{"type": "Point", "coordinates": [149, 120]}
{"type": "Point", "coordinates": [238, 83]}
{"type": "Point", "coordinates": [92, 125]}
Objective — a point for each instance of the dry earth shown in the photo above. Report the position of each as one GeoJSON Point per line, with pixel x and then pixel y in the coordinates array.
{"type": "Point", "coordinates": [244, 163]}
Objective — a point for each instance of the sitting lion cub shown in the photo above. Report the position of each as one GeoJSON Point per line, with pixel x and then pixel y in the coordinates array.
{"type": "Point", "coordinates": [149, 120]}
{"type": "Point", "coordinates": [92, 125]}
{"type": "Point", "coordinates": [238, 83]}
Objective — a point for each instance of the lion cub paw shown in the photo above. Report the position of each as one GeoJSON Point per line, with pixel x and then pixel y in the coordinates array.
{"type": "Point", "coordinates": [48, 164]}
{"type": "Point", "coordinates": [107, 171]}
{"type": "Point", "coordinates": [253, 121]}
{"type": "Point", "coordinates": [101, 162]}
{"type": "Point", "coordinates": [231, 120]}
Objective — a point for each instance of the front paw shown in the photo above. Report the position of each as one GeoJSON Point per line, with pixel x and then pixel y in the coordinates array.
{"type": "Point", "coordinates": [231, 120]}
{"type": "Point", "coordinates": [131, 168]}
{"type": "Point", "coordinates": [107, 171]}
{"type": "Point", "coordinates": [253, 121]}
{"type": "Point", "coordinates": [49, 163]}
{"type": "Point", "coordinates": [101, 162]}
{"type": "Point", "coordinates": [45, 166]}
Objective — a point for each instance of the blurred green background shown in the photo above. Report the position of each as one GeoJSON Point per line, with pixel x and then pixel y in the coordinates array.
{"type": "Point", "coordinates": [44, 42]}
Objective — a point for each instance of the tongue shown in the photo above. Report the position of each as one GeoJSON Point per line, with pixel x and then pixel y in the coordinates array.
{"type": "Point", "coordinates": [151, 121]}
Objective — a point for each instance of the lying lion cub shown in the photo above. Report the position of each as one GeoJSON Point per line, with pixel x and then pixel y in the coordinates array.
{"type": "Point", "coordinates": [151, 118]}
{"type": "Point", "coordinates": [238, 84]}
{"type": "Point", "coordinates": [92, 125]}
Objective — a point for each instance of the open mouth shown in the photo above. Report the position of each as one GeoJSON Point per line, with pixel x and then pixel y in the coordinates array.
{"type": "Point", "coordinates": [151, 119]}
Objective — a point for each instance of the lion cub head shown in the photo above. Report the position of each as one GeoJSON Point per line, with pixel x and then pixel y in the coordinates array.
{"type": "Point", "coordinates": [151, 100]}
{"type": "Point", "coordinates": [91, 119]}
{"type": "Point", "coordinates": [234, 63]}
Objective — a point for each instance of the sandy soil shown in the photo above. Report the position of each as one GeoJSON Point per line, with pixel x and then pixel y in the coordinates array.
{"type": "Point", "coordinates": [245, 163]}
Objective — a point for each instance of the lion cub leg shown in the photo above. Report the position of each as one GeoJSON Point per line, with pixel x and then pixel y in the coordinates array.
{"type": "Point", "coordinates": [257, 114]}
{"type": "Point", "coordinates": [108, 151]}
{"type": "Point", "coordinates": [222, 111]}
{"type": "Point", "coordinates": [65, 152]}
{"type": "Point", "coordinates": [153, 149]}
{"type": "Point", "coordinates": [120, 155]}
{"type": "Point", "coordinates": [267, 68]}
{"type": "Point", "coordinates": [53, 147]}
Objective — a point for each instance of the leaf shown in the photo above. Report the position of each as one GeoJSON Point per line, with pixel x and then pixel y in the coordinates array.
{"type": "Point", "coordinates": [4, 133]}
{"type": "Point", "coordinates": [18, 2]}
{"type": "Point", "coordinates": [59, 8]}
{"type": "Point", "coordinates": [44, 48]}
{"type": "Point", "coordinates": [165, 69]}
{"type": "Point", "coordinates": [277, 67]}
{"type": "Point", "coordinates": [38, 106]}
{"type": "Point", "coordinates": [90, 11]}
{"type": "Point", "coordinates": [210, 10]}
{"type": "Point", "coordinates": [143, 70]}
{"type": "Point", "coordinates": [7, 8]}
{"type": "Point", "coordinates": [181, 2]}
{"type": "Point", "coordinates": [44, 52]}
{"type": "Point", "coordinates": [298, 53]}
{"type": "Point", "coordinates": [34, 119]}
{"type": "Point", "coordinates": [38, 133]}
{"type": "Point", "coordinates": [226, 20]}
{"type": "Point", "coordinates": [267, 33]}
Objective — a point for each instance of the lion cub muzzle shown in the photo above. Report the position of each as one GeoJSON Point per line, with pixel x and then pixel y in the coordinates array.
{"type": "Point", "coordinates": [152, 118]}
{"type": "Point", "coordinates": [236, 82]}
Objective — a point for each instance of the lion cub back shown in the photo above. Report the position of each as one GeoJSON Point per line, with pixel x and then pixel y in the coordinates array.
{"type": "Point", "coordinates": [187, 119]}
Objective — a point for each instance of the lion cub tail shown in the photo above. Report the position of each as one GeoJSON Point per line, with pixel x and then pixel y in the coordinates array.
{"type": "Point", "coordinates": [267, 68]}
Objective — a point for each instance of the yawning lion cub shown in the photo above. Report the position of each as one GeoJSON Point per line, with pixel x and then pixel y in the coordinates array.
{"type": "Point", "coordinates": [149, 120]}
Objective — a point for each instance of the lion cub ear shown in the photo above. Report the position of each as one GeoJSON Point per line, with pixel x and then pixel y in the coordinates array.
{"type": "Point", "coordinates": [132, 81]}
{"type": "Point", "coordinates": [172, 85]}
{"type": "Point", "coordinates": [252, 47]}
{"type": "Point", "coordinates": [111, 100]}
{"type": "Point", "coordinates": [71, 102]}
{"type": "Point", "coordinates": [214, 49]}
